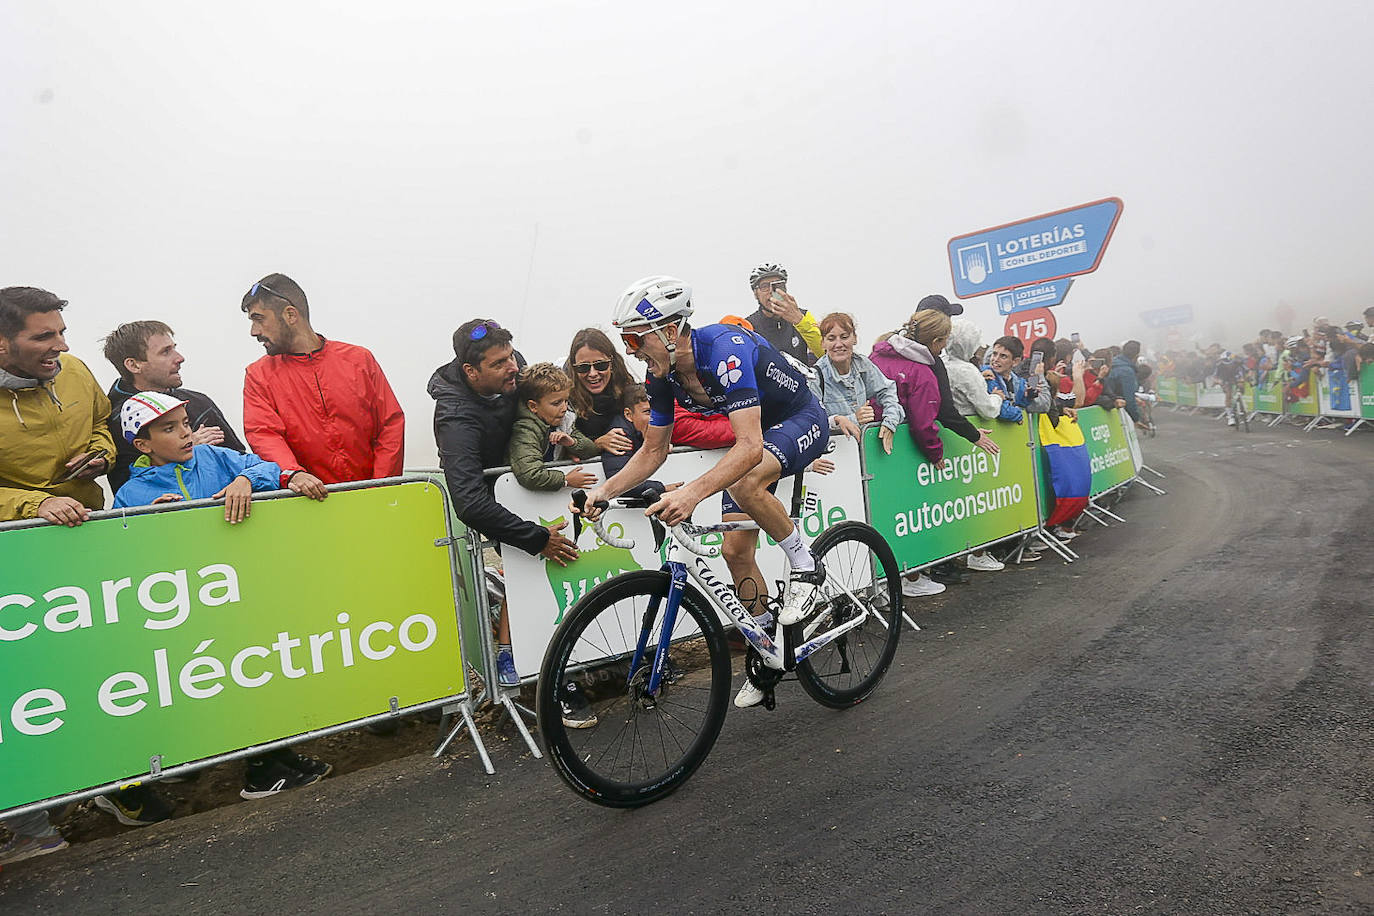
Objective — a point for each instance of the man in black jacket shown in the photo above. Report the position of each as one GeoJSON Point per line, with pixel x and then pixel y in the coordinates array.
{"type": "Point", "coordinates": [474, 409]}
{"type": "Point", "coordinates": [146, 358]}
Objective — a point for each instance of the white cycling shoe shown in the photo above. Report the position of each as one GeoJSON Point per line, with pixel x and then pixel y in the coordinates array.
{"type": "Point", "coordinates": [801, 594]}
{"type": "Point", "coordinates": [748, 695]}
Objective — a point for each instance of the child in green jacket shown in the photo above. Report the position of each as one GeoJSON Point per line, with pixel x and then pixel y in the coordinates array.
{"type": "Point", "coordinates": [542, 392]}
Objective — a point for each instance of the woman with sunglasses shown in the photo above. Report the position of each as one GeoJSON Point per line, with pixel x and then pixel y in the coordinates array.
{"type": "Point", "coordinates": [600, 378]}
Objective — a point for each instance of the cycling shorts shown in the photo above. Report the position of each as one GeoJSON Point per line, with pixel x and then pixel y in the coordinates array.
{"type": "Point", "coordinates": [795, 442]}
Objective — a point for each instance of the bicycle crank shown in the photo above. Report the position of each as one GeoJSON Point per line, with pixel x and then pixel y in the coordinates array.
{"type": "Point", "coordinates": [762, 677]}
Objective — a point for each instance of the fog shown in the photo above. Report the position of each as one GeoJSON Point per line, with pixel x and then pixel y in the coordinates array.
{"type": "Point", "coordinates": [415, 165]}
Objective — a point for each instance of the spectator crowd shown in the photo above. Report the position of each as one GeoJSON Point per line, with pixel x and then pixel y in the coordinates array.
{"type": "Point", "coordinates": [318, 411]}
{"type": "Point", "coordinates": [1328, 351]}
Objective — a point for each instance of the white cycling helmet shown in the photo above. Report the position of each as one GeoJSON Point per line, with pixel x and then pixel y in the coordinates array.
{"type": "Point", "coordinates": [653, 302]}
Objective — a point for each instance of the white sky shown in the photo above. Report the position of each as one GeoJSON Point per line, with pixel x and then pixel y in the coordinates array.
{"type": "Point", "coordinates": [396, 159]}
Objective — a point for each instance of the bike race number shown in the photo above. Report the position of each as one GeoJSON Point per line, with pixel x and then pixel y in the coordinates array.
{"type": "Point", "coordinates": [1031, 324]}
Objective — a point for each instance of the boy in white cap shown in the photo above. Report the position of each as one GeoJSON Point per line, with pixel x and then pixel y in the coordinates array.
{"type": "Point", "coordinates": [174, 468]}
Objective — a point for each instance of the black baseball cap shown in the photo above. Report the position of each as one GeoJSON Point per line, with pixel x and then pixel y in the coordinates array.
{"type": "Point", "coordinates": [940, 304]}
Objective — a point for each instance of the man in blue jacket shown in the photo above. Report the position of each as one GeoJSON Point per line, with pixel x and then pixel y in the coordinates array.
{"type": "Point", "coordinates": [1122, 381]}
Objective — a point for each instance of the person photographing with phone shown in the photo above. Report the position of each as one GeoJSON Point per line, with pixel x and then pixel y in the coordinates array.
{"type": "Point", "coordinates": [779, 320]}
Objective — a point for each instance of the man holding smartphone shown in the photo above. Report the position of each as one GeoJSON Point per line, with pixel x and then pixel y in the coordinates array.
{"type": "Point", "coordinates": [779, 320]}
{"type": "Point", "coordinates": [53, 437]}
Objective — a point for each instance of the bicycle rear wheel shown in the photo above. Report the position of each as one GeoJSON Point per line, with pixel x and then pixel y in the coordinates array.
{"type": "Point", "coordinates": [859, 564]}
{"type": "Point", "coordinates": [636, 748]}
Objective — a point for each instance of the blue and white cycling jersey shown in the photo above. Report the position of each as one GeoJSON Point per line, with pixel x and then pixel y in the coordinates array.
{"type": "Point", "coordinates": [738, 369]}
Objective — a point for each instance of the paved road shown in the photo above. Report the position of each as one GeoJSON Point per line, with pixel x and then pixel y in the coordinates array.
{"type": "Point", "coordinates": [1181, 722]}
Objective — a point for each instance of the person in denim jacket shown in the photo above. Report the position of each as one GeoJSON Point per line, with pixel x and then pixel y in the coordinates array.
{"type": "Point", "coordinates": [845, 382]}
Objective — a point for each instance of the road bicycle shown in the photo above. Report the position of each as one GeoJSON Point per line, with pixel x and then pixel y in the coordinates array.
{"type": "Point", "coordinates": [648, 651]}
{"type": "Point", "coordinates": [1239, 414]}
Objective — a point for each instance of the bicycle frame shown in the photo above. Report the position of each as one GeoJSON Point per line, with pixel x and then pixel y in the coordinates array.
{"type": "Point", "coordinates": [780, 657]}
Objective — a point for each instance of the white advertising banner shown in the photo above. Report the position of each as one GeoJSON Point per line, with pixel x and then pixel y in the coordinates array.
{"type": "Point", "coordinates": [539, 592]}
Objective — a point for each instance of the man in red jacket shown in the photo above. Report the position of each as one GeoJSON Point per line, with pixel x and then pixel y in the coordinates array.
{"type": "Point", "coordinates": [322, 409]}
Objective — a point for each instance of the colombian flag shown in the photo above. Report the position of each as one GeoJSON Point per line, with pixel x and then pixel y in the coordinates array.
{"type": "Point", "coordinates": [1071, 474]}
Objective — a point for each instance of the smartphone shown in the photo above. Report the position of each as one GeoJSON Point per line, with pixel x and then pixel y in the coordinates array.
{"type": "Point", "coordinates": [777, 285]}
{"type": "Point", "coordinates": [1037, 363]}
{"type": "Point", "coordinates": [1077, 357]}
{"type": "Point", "coordinates": [80, 466]}
{"type": "Point", "coordinates": [1075, 338]}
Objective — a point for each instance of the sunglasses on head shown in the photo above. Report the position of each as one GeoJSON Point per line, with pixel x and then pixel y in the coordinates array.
{"type": "Point", "coordinates": [481, 330]}
{"type": "Point", "coordinates": [600, 365]}
{"type": "Point", "coordinates": [264, 288]}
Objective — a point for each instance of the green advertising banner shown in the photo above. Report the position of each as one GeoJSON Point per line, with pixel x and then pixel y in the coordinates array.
{"type": "Point", "coordinates": [1187, 394]}
{"type": "Point", "coordinates": [1108, 450]}
{"type": "Point", "coordinates": [1269, 393]}
{"type": "Point", "coordinates": [928, 512]}
{"type": "Point", "coordinates": [175, 634]}
{"type": "Point", "coordinates": [1366, 390]}
{"type": "Point", "coordinates": [1168, 390]}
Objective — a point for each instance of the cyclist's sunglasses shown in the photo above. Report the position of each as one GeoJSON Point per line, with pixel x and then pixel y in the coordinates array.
{"type": "Point", "coordinates": [481, 330]}
{"type": "Point", "coordinates": [264, 288]}
{"type": "Point", "coordinates": [600, 365]}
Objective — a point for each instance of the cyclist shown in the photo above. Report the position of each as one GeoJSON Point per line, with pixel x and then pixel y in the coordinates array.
{"type": "Point", "coordinates": [779, 425]}
{"type": "Point", "coordinates": [1229, 371]}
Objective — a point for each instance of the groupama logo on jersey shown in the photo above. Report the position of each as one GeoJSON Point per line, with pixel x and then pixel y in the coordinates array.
{"type": "Point", "coordinates": [729, 370]}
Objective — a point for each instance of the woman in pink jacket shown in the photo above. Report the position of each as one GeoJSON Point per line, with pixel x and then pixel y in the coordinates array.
{"type": "Point", "coordinates": [906, 357]}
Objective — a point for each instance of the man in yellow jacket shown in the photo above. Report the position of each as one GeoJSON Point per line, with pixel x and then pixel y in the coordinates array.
{"type": "Point", "coordinates": [54, 440]}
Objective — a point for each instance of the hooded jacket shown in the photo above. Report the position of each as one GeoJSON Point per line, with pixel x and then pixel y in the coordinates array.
{"type": "Point", "coordinates": [529, 449]}
{"type": "Point", "coordinates": [967, 386]}
{"type": "Point", "coordinates": [910, 365]}
{"type": "Point", "coordinates": [200, 410]}
{"type": "Point", "coordinates": [473, 433]}
{"type": "Point", "coordinates": [331, 412]}
{"type": "Point", "coordinates": [1122, 382]}
{"type": "Point", "coordinates": [210, 469]}
{"type": "Point", "coordinates": [42, 427]}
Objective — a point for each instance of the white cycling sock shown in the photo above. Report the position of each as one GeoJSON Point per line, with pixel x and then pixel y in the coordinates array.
{"type": "Point", "coordinates": [798, 554]}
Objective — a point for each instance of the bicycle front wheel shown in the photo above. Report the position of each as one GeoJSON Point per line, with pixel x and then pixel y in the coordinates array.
{"type": "Point", "coordinates": [861, 576]}
{"type": "Point", "coordinates": [609, 739]}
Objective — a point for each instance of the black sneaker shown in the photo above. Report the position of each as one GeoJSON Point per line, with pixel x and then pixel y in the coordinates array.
{"type": "Point", "coordinates": [269, 777]}
{"type": "Point", "coordinates": [301, 763]}
{"type": "Point", "coordinates": [577, 712]}
{"type": "Point", "coordinates": [135, 806]}
{"type": "Point", "coordinates": [949, 574]}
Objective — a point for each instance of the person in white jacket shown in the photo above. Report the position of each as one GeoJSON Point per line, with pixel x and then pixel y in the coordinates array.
{"type": "Point", "coordinates": [971, 396]}
{"type": "Point", "coordinates": [966, 381]}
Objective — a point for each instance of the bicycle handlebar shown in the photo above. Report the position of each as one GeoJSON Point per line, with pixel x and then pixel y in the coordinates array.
{"type": "Point", "coordinates": [579, 498]}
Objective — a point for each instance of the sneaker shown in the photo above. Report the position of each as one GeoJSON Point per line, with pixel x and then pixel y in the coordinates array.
{"type": "Point", "coordinates": [506, 674]}
{"type": "Point", "coordinates": [19, 848]}
{"type": "Point", "coordinates": [301, 763]}
{"type": "Point", "coordinates": [1230, 420]}
{"type": "Point", "coordinates": [1030, 556]}
{"type": "Point", "coordinates": [949, 574]}
{"type": "Point", "coordinates": [135, 806]}
{"type": "Point", "coordinates": [984, 562]}
{"type": "Point", "coordinates": [921, 587]}
{"type": "Point", "coordinates": [577, 712]}
{"type": "Point", "coordinates": [269, 778]}
{"type": "Point", "coordinates": [801, 590]}
{"type": "Point", "coordinates": [748, 695]}
{"type": "Point", "coordinates": [1063, 533]}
